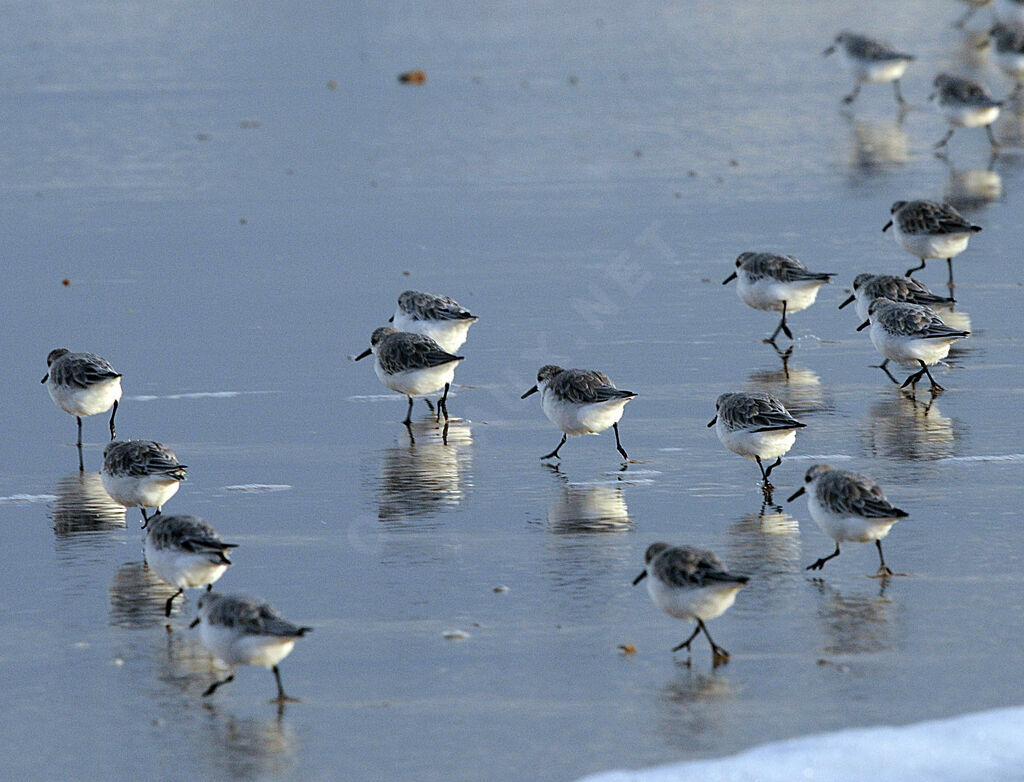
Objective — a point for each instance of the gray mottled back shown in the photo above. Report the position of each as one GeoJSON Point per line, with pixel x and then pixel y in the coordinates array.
{"type": "Point", "coordinates": [399, 351]}
{"type": "Point", "coordinates": [896, 288]}
{"type": "Point", "coordinates": [756, 411]}
{"type": "Point", "coordinates": [850, 493]}
{"type": "Point", "coordinates": [930, 217]}
{"type": "Point", "coordinates": [868, 49]}
{"type": "Point", "coordinates": [79, 370]}
{"type": "Point", "coordinates": [189, 533]}
{"type": "Point", "coordinates": [957, 90]}
{"type": "Point", "coordinates": [784, 268]}
{"type": "Point", "coordinates": [686, 566]}
{"type": "Point", "coordinates": [139, 458]}
{"type": "Point", "coordinates": [426, 306]}
{"type": "Point", "coordinates": [583, 386]}
{"type": "Point", "coordinates": [246, 614]}
{"type": "Point", "coordinates": [1009, 40]}
{"type": "Point", "coordinates": [901, 318]}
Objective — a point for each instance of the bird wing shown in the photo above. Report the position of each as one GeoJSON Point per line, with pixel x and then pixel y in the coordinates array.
{"type": "Point", "coordinates": [586, 386]}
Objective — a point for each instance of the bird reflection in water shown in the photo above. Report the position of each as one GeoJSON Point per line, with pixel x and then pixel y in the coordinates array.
{"type": "Point", "coordinates": [901, 427]}
{"type": "Point", "coordinates": [798, 389]}
{"type": "Point", "coordinates": [765, 545]}
{"type": "Point", "coordinates": [137, 597]}
{"type": "Point", "coordinates": [877, 146]}
{"type": "Point", "coordinates": [587, 507]}
{"type": "Point", "coordinates": [246, 747]}
{"type": "Point", "coordinates": [82, 506]}
{"type": "Point", "coordinates": [973, 188]}
{"type": "Point", "coordinates": [855, 625]}
{"type": "Point", "coordinates": [426, 474]}
{"type": "Point", "coordinates": [692, 707]}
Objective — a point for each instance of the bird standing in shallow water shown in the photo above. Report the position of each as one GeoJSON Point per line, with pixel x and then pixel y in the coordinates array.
{"type": "Point", "coordinates": [848, 507]}
{"type": "Point", "coordinates": [929, 229]}
{"type": "Point", "coordinates": [240, 630]}
{"type": "Point", "coordinates": [966, 104]}
{"type": "Point", "coordinates": [82, 384]}
{"type": "Point", "coordinates": [141, 473]}
{"type": "Point", "coordinates": [779, 283]}
{"type": "Point", "coordinates": [690, 583]}
{"type": "Point", "coordinates": [412, 364]}
{"type": "Point", "coordinates": [441, 318]}
{"type": "Point", "coordinates": [756, 426]}
{"type": "Point", "coordinates": [580, 401]}
{"type": "Point", "coordinates": [871, 61]}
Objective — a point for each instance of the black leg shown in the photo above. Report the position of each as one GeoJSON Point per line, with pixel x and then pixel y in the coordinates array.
{"type": "Point", "coordinates": [554, 453]}
{"type": "Point", "coordinates": [718, 654]}
{"type": "Point", "coordinates": [77, 418]}
{"type": "Point", "coordinates": [935, 386]}
{"type": "Point", "coordinates": [170, 600]}
{"type": "Point", "coordinates": [912, 380]}
{"type": "Point", "coordinates": [213, 687]}
{"type": "Point", "coordinates": [848, 99]}
{"type": "Point", "coordinates": [618, 445]}
{"type": "Point", "coordinates": [113, 412]}
{"type": "Point", "coordinates": [944, 140]}
{"type": "Point", "coordinates": [408, 428]}
{"type": "Point", "coordinates": [442, 405]}
{"type": "Point", "coordinates": [949, 263]}
{"type": "Point", "coordinates": [145, 518]}
{"type": "Point", "coordinates": [883, 569]}
{"type": "Point", "coordinates": [899, 96]}
{"type": "Point", "coordinates": [81, 464]}
{"type": "Point", "coordinates": [910, 272]}
{"type": "Point", "coordinates": [281, 697]}
{"type": "Point", "coordinates": [764, 475]}
{"type": "Point", "coordinates": [686, 644]}
{"type": "Point", "coordinates": [768, 472]}
{"type": "Point", "coordinates": [991, 137]}
{"type": "Point", "coordinates": [821, 562]}
{"type": "Point", "coordinates": [408, 413]}
{"type": "Point", "coordinates": [430, 404]}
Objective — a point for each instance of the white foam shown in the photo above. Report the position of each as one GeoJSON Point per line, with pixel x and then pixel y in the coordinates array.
{"type": "Point", "coordinates": [258, 487]}
{"type": "Point", "coordinates": [197, 395]}
{"type": "Point", "coordinates": [27, 498]}
{"type": "Point", "coordinates": [981, 747]}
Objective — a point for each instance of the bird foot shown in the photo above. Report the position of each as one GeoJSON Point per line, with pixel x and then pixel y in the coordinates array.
{"type": "Point", "coordinates": [816, 565]}
{"type": "Point", "coordinates": [718, 656]}
{"type": "Point", "coordinates": [281, 700]}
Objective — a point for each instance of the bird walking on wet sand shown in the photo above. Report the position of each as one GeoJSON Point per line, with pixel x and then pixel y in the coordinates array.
{"type": "Point", "coordinates": [966, 104]}
{"type": "Point", "coordinates": [690, 583]}
{"type": "Point", "coordinates": [930, 229]}
{"type": "Point", "coordinates": [910, 334]}
{"type": "Point", "coordinates": [777, 283]}
{"type": "Point", "coordinates": [241, 630]}
{"type": "Point", "coordinates": [441, 318]}
{"type": "Point", "coordinates": [871, 61]}
{"type": "Point", "coordinates": [412, 364]}
{"type": "Point", "coordinates": [756, 426]}
{"type": "Point", "coordinates": [141, 473]}
{"type": "Point", "coordinates": [186, 552]}
{"type": "Point", "coordinates": [848, 507]}
{"type": "Point", "coordinates": [580, 401]}
{"type": "Point", "coordinates": [82, 384]}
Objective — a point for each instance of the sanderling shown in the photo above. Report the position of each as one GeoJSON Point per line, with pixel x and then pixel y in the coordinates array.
{"type": "Point", "coordinates": [929, 229]}
{"type": "Point", "coordinates": [1010, 13]}
{"type": "Point", "coordinates": [848, 506]}
{"type": "Point", "coordinates": [82, 384]}
{"type": "Point", "coordinates": [185, 552]}
{"type": "Point", "coordinates": [141, 473]}
{"type": "Point", "coordinates": [1009, 42]}
{"type": "Point", "coordinates": [580, 401]}
{"type": "Point", "coordinates": [756, 426]}
{"type": "Point", "coordinates": [966, 104]}
{"type": "Point", "coordinates": [871, 61]}
{"type": "Point", "coordinates": [910, 334]}
{"type": "Point", "coordinates": [412, 364]}
{"type": "Point", "coordinates": [779, 283]}
{"type": "Point", "coordinates": [240, 630]}
{"type": "Point", "coordinates": [690, 583]}
{"type": "Point", "coordinates": [439, 317]}
{"type": "Point", "coordinates": [868, 287]}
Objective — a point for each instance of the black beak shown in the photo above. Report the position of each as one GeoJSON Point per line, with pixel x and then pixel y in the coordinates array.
{"type": "Point", "coordinates": [796, 494]}
{"type": "Point", "coordinates": [932, 96]}
{"type": "Point", "coordinates": [712, 421]}
{"type": "Point", "coordinates": [391, 319]}
{"type": "Point", "coordinates": [729, 279]}
{"type": "Point", "coordinates": [886, 226]}
{"type": "Point", "coordinates": [863, 325]}
{"type": "Point", "coordinates": [193, 623]}
{"type": "Point", "coordinates": [45, 378]}
{"type": "Point", "coordinates": [641, 577]}
{"type": "Point", "coordinates": [363, 355]}
{"type": "Point", "coordinates": [850, 300]}
{"type": "Point", "coordinates": [531, 391]}
{"type": "Point", "coordinates": [830, 50]}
